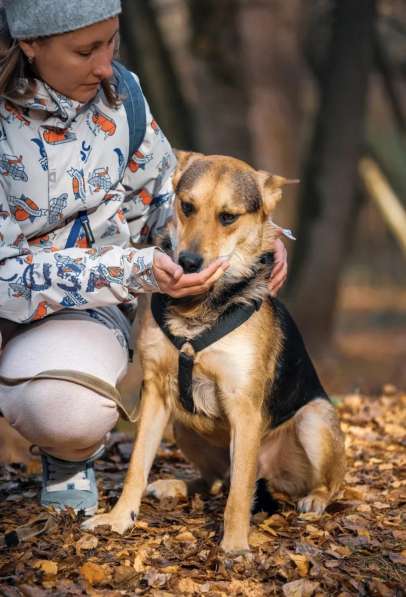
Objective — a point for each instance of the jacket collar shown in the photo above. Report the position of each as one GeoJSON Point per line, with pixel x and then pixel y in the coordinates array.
{"type": "Point", "coordinates": [56, 109]}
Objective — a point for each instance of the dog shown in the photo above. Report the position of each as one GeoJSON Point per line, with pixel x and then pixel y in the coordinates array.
{"type": "Point", "coordinates": [248, 407]}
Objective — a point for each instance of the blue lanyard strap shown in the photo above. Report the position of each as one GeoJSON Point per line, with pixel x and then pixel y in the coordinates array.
{"type": "Point", "coordinates": [82, 221]}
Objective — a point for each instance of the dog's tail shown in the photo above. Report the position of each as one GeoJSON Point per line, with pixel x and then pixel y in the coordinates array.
{"type": "Point", "coordinates": [263, 500]}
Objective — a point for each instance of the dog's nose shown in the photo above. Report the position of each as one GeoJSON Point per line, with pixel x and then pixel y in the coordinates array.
{"type": "Point", "coordinates": [191, 262]}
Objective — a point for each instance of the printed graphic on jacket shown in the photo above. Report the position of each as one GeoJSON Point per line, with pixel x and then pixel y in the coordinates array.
{"type": "Point", "coordinates": [23, 208]}
{"type": "Point", "coordinates": [11, 165]}
{"type": "Point", "coordinates": [99, 122]}
{"type": "Point", "coordinates": [59, 157]}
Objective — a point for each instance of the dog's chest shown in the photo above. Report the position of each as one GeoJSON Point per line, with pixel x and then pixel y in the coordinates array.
{"type": "Point", "coordinates": [221, 372]}
{"type": "Point", "coordinates": [205, 395]}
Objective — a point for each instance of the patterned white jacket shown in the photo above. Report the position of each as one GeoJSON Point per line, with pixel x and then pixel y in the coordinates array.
{"type": "Point", "coordinates": [58, 158]}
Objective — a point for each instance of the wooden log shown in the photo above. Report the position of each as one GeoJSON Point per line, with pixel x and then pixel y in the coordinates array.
{"type": "Point", "coordinates": [385, 199]}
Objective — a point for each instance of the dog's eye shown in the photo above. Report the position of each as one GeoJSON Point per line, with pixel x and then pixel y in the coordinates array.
{"type": "Point", "coordinates": [226, 219]}
{"type": "Point", "coordinates": [187, 208]}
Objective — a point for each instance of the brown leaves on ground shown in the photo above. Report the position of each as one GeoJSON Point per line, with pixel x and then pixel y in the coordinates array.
{"type": "Point", "coordinates": [358, 547]}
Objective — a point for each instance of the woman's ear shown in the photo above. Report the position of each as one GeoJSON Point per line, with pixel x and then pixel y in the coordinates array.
{"type": "Point", "coordinates": [184, 159]}
{"type": "Point", "coordinates": [28, 48]}
{"type": "Point", "coordinates": [271, 188]}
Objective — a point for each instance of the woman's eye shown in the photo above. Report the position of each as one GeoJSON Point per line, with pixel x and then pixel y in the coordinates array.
{"type": "Point", "coordinates": [226, 219]}
{"type": "Point", "coordinates": [187, 208]}
{"type": "Point", "coordinates": [84, 54]}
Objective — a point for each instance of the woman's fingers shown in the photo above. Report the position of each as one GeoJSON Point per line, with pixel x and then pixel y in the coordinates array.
{"type": "Point", "coordinates": [280, 269]}
{"type": "Point", "coordinates": [166, 265]}
{"type": "Point", "coordinates": [215, 270]}
{"type": "Point", "coordinates": [171, 279]}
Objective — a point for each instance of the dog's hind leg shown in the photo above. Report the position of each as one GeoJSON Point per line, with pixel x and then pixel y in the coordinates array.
{"type": "Point", "coordinates": [318, 431]}
{"type": "Point", "coordinates": [212, 462]}
{"type": "Point", "coordinates": [304, 457]}
{"type": "Point", "coordinates": [154, 416]}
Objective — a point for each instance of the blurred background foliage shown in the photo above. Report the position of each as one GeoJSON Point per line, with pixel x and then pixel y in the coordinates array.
{"type": "Point", "coordinates": [310, 89]}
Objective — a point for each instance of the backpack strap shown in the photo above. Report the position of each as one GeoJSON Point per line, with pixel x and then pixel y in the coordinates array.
{"type": "Point", "coordinates": [132, 97]}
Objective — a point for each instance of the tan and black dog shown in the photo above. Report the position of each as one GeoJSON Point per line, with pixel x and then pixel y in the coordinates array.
{"type": "Point", "coordinates": [247, 405]}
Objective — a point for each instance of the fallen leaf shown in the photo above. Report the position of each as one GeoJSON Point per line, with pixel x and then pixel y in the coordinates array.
{"type": "Point", "coordinates": [276, 521]}
{"type": "Point", "coordinates": [314, 531]}
{"type": "Point", "coordinates": [300, 588]}
{"type": "Point", "coordinates": [256, 538]}
{"type": "Point", "coordinates": [93, 573]}
{"type": "Point", "coordinates": [185, 537]}
{"type": "Point", "coordinates": [339, 551]}
{"type": "Point", "coordinates": [398, 558]}
{"type": "Point", "coordinates": [123, 574]}
{"type": "Point", "coordinates": [187, 585]}
{"type": "Point", "coordinates": [156, 579]}
{"type": "Point", "coordinates": [376, 587]}
{"type": "Point", "coordinates": [364, 508]}
{"type": "Point", "coordinates": [86, 542]}
{"type": "Point", "coordinates": [138, 563]}
{"type": "Point", "coordinates": [302, 563]}
{"type": "Point", "coordinates": [351, 493]}
{"type": "Point", "coordinates": [48, 567]}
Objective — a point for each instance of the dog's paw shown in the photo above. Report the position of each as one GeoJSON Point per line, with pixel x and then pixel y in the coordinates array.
{"type": "Point", "coordinates": [118, 524]}
{"type": "Point", "coordinates": [167, 488]}
{"type": "Point", "coordinates": [234, 549]}
{"type": "Point", "coordinates": [312, 503]}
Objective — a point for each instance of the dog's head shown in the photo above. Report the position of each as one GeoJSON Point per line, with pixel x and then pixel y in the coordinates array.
{"type": "Point", "coordinates": [223, 208]}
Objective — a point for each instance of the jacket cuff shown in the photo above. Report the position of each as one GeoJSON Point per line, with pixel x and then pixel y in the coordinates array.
{"type": "Point", "coordinates": [142, 277]}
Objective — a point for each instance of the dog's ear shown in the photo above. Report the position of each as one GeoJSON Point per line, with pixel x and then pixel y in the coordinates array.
{"type": "Point", "coordinates": [184, 159]}
{"type": "Point", "coordinates": [271, 188]}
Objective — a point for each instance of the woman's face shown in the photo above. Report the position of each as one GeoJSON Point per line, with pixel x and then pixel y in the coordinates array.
{"type": "Point", "coordinates": [75, 63]}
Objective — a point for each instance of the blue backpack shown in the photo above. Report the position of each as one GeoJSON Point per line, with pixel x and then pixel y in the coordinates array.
{"type": "Point", "coordinates": [133, 101]}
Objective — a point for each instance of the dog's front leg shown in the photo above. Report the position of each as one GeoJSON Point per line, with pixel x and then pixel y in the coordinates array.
{"type": "Point", "coordinates": [246, 426]}
{"type": "Point", "coordinates": [154, 416]}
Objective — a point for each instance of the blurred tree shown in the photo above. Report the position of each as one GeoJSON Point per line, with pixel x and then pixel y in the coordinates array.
{"type": "Point", "coordinates": [221, 97]}
{"type": "Point", "coordinates": [328, 206]}
{"type": "Point", "coordinates": [249, 75]}
{"type": "Point", "coordinates": [275, 76]}
{"type": "Point", "coordinates": [145, 52]}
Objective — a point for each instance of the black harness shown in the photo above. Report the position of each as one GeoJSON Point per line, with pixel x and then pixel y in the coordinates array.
{"type": "Point", "coordinates": [231, 319]}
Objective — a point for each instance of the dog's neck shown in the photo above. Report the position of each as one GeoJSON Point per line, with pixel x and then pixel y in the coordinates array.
{"type": "Point", "coordinates": [195, 314]}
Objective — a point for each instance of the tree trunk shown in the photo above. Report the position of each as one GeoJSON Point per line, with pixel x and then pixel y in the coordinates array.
{"type": "Point", "coordinates": [146, 53]}
{"type": "Point", "coordinates": [275, 74]}
{"type": "Point", "coordinates": [328, 203]}
{"type": "Point", "coordinates": [221, 99]}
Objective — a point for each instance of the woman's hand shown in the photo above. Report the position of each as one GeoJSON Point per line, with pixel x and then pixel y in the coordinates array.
{"type": "Point", "coordinates": [280, 268]}
{"type": "Point", "coordinates": [171, 279]}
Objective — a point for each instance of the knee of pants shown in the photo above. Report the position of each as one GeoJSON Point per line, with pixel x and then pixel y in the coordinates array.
{"type": "Point", "coordinates": [60, 417]}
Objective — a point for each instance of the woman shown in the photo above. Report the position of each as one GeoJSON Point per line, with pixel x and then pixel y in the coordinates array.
{"type": "Point", "coordinates": [72, 197]}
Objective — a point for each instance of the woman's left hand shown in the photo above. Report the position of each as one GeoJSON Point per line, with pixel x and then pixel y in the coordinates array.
{"type": "Point", "coordinates": [280, 268]}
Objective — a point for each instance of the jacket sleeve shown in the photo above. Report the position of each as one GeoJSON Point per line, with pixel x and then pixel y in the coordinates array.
{"type": "Point", "coordinates": [148, 204]}
{"type": "Point", "coordinates": [36, 282]}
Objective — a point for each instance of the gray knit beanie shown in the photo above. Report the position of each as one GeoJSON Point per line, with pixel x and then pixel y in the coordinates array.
{"type": "Point", "coordinates": [28, 19]}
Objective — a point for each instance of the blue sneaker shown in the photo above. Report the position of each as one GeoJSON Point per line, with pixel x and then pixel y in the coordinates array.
{"type": "Point", "coordinates": [69, 484]}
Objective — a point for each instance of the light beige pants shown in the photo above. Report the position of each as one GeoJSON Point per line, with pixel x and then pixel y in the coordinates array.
{"type": "Point", "coordinates": [64, 419]}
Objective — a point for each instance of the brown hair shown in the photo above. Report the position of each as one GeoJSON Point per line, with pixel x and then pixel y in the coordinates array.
{"type": "Point", "coordinates": [17, 76]}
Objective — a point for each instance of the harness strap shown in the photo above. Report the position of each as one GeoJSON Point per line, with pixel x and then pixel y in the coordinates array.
{"type": "Point", "coordinates": [230, 320]}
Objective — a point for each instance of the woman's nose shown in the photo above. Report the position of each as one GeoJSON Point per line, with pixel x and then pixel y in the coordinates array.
{"type": "Point", "coordinates": [104, 68]}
